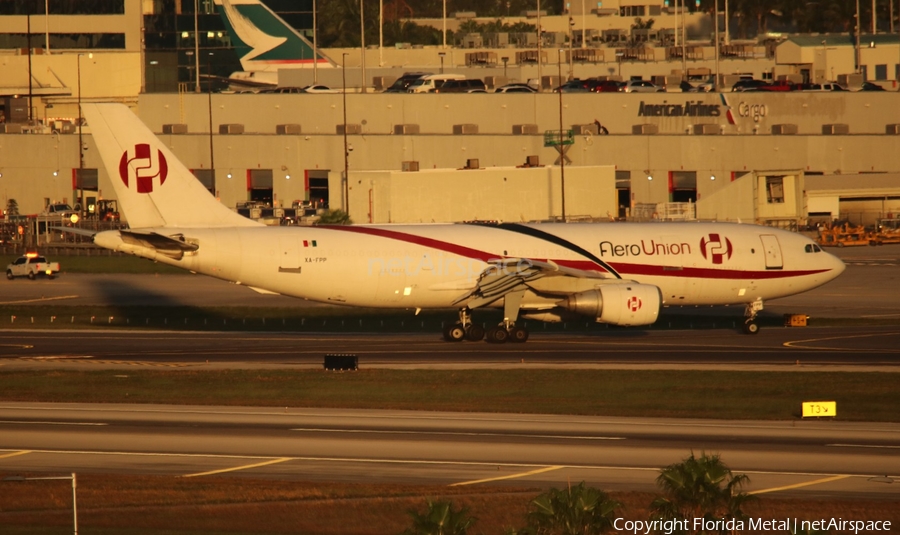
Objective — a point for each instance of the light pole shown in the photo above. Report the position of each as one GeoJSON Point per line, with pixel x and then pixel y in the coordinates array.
{"type": "Point", "coordinates": [212, 161]}
{"type": "Point", "coordinates": [562, 156]}
{"type": "Point", "coordinates": [539, 40]}
{"type": "Point", "coordinates": [362, 47]}
{"type": "Point", "coordinates": [197, 46]}
{"type": "Point", "coordinates": [315, 47]}
{"type": "Point", "coordinates": [80, 138]}
{"type": "Point", "coordinates": [74, 500]}
{"type": "Point", "coordinates": [346, 181]}
{"type": "Point", "coordinates": [441, 55]}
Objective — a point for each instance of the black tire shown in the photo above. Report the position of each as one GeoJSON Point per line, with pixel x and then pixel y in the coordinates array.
{"type": "Point", "coordinates": [496, 335]}
{"type": "Point", "coordinates": [518, 335]}
{"type": "Point", "coordinates": [454, 333]}
{"type": "Point", "coordinates": [751, 327]}
{"type": "Point", "coordinates": [9, 275]}
{"type": "Point", "coordinates": [31, 275]}
{"type": "Point", "coordinates": [475, 333]}
{"type": "Point", "coordinates": [51, 277]}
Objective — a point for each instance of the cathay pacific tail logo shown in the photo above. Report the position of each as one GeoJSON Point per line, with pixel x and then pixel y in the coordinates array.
{"type": "Point", "coordinates": [141, 166]}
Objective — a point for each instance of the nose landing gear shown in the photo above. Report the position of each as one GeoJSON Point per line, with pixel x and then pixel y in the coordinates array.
{"type": "Point", "coordinates": [751, 326]}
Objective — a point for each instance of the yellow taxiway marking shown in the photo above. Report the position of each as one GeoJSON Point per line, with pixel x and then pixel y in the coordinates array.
{"type": "Point", "coordinates": [13, 454]}
{"type": "Point", "coordinates": [798, 485]}
{"type": "Point", "coordinates": [236, 468]}
{"type": "Point", "coordinates": [511, 476]}
{"type": "Point", "coordinates": [869, 335]}
{"type": "Point", "coordinates": [39, 300]}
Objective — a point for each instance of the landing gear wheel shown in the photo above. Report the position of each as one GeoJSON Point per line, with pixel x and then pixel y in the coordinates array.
{"type": "Point", "coordinates": [518, 334]}
{"type": "Point", "coordinates": [454, 333]}
{"type": "Point", "coordinates": [496, 335]}
{"type": "Point", "coordinates": [475, 333]}
{"type": "Point", "coordinates": [751, 327]}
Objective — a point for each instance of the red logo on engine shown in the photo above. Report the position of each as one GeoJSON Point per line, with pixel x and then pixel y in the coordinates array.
{"type": "Point", "coordinates": [634, 304]}
{"type": "Point", "coordinates": [715, 248]}
{"type": "Point", "coordinates": [143, 165]}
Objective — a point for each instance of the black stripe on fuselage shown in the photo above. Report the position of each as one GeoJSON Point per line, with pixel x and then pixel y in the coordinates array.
{"type": "Point", "coordinates": [556, 240]}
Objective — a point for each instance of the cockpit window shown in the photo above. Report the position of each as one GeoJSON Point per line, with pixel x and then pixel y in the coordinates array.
{"type": "Point", "coordinates": [813, 248]}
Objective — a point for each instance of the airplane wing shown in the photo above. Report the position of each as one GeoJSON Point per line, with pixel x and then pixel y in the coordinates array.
{"type": "Point", "coordinates": [514, 275]}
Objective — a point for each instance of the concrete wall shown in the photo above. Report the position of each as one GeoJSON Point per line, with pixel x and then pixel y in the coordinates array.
{"type": "Point", "coordinates": [505, 194]}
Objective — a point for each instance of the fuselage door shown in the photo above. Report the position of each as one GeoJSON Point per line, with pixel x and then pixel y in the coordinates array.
{"type": "Point", "coordinates": [773, 251]}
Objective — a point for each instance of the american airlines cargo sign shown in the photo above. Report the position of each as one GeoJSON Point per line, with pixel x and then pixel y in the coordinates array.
{"type": "Point", "coordinates": [688, 109]}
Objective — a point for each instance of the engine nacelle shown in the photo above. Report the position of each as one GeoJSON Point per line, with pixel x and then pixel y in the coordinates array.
{"type": "Point", "coordinates": [618, 304]}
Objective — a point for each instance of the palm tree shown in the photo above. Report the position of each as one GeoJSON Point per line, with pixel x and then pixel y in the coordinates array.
{"type": "Point", "coordinates": [578, 510]}
{"type": "Point", "coordinates": [701, 487]}
{"type": "Point", "coordinates": [12, 208]}
{"type": "Point", "coordinates": [439, 518]}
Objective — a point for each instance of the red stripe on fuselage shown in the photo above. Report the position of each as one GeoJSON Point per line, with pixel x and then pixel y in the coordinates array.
{"type": "Point", "coordinates": [584, 265]}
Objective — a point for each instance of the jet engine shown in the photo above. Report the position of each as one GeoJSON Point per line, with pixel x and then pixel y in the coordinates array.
{"type": "Point", "coordinates": [617, 304]}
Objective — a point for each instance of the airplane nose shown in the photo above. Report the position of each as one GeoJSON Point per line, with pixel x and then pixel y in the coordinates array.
{"type": "Point", "coordinates": [837, 266]}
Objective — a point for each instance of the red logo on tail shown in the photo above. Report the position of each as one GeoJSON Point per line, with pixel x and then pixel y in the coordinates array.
{"type": "Point", "coordinates": [143, 166]}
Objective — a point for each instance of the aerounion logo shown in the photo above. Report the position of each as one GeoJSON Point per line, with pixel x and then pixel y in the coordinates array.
{"type": "Point", "coordinates": [715, 248]}
{"type": "Point", "coordinates": [634, 303]}
{"type": "Point", "coordinates": [141, 166]}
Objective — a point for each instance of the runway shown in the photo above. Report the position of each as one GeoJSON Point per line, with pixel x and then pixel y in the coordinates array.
{"type": "Point", "coordinates": [802, 458]}
{"type": "Point", "coordinates": [783, 348]}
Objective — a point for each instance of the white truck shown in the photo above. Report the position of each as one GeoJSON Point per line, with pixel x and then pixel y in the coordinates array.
{"type": "Point", "coordinates": [31, 266]}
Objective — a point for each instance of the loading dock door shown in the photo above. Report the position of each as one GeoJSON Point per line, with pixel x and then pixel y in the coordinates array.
{"type": "Point", "coordinates": [773, 251]}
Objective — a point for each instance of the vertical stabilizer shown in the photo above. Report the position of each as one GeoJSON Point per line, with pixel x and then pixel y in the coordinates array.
{"type": "Point", "coordinates": [153, 187]}
{"type": "Point", "coordinates": [264, 41]}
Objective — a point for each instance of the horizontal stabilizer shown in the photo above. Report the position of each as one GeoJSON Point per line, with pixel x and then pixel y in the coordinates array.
{"type": "Point", "coordinates": [172, 246]}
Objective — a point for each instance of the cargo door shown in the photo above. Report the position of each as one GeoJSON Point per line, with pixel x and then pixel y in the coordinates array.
{"type": "Point", "coordinates": [773, 251]}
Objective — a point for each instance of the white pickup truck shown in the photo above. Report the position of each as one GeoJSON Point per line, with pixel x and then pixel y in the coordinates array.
{"type": "Point", "coordinates": [31, 266]}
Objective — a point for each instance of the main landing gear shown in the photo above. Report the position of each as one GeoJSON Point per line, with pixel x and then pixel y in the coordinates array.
{"type": "Point", "coordinates": [466, 330]}
{"type": "Point", "coordinates": [751, 326]}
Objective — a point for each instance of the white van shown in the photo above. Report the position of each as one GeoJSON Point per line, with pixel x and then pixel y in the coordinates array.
{"type": "Point", "coordinates": [431, 82]}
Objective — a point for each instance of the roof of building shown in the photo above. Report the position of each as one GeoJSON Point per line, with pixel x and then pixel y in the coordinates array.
{"type": "Point", "coordinates": [843, 39]}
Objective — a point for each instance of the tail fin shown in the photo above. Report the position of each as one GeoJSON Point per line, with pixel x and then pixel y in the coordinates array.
{"type": "Point", "coordinates": [263, 40]}
{"type": "Point", "coordinates": [153, 187]}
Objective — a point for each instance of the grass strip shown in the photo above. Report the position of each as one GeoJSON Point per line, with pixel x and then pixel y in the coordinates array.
{"type": "Point", "coordinates": [860, 396]}
{"type": "Point", "coordinates": [143, 505]}
{"type": "Point", "coordinates": [103, 264]}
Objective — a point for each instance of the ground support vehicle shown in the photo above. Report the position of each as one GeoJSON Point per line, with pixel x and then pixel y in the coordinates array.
{"type": "Point", "coordinates": [32, 266]}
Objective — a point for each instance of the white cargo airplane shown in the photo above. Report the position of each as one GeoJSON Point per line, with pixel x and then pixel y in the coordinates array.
{"type": "Point", "coordinates": [616, 273]}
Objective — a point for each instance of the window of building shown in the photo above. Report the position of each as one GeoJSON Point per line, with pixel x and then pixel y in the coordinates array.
{"type": "Point", "coordinates": [881, 72]}
{"type": "Point", "coordinates": [775, 189]}
{"type": "Point", "coordinates": [64, 40]}
{"type": "Point", "coordinates": [64, 7]}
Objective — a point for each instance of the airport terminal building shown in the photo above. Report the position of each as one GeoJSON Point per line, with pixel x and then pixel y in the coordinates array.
{"type": "Point", "coordinates": [452, 157]}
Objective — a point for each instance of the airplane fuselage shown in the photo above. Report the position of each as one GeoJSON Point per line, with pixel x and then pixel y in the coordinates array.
{"type": "Point", "coordinates": [431, 266]}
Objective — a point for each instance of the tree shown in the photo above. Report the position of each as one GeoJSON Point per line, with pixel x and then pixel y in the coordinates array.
{"type": "Point", "coordinates": [335, 217]}
{"type": "Point", "coordinates": [439, 518]}
{"type": "Point", "coordinates": [12, 208]}
{"type": "Point", "coordinates": [701, 487]}
{"type": "Point", "coordinates": [578, 510]}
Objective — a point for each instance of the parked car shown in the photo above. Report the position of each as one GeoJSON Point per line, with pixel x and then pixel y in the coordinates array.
{"type": "Point", "coordinates": [515, 88]}
{"type": "Point", "coordinates": [427, 84]}
{"type": "Point", "coordinates": [606, 86]}
{"type": "Point", "coordinates": [462, 86]}
{"type": "Point", "coordinates": [641, 86]}
{"type": "Point", "coordinates": [748, 85]}
{"type": "Point", "coordinates": [401, 84]}
{"type": "Point", "coordinates": [869, 86]}
{"type": "Point", "coordinates": [58, 210]}
{"type": "Point", "coordinates": [831, 86]}
{"type": "Point", "coordinates": [31, 265]}
{"type": "Point", "coordinates": [282, 90]}
{"type": "Point", "coordinates": [779, 85]}
{"type": "Point", "coordinates": [707, 86]}
{"type": "Point", "coordinates": [573, 86]}
{"type": "Point", "coordinates": [318, 88]}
